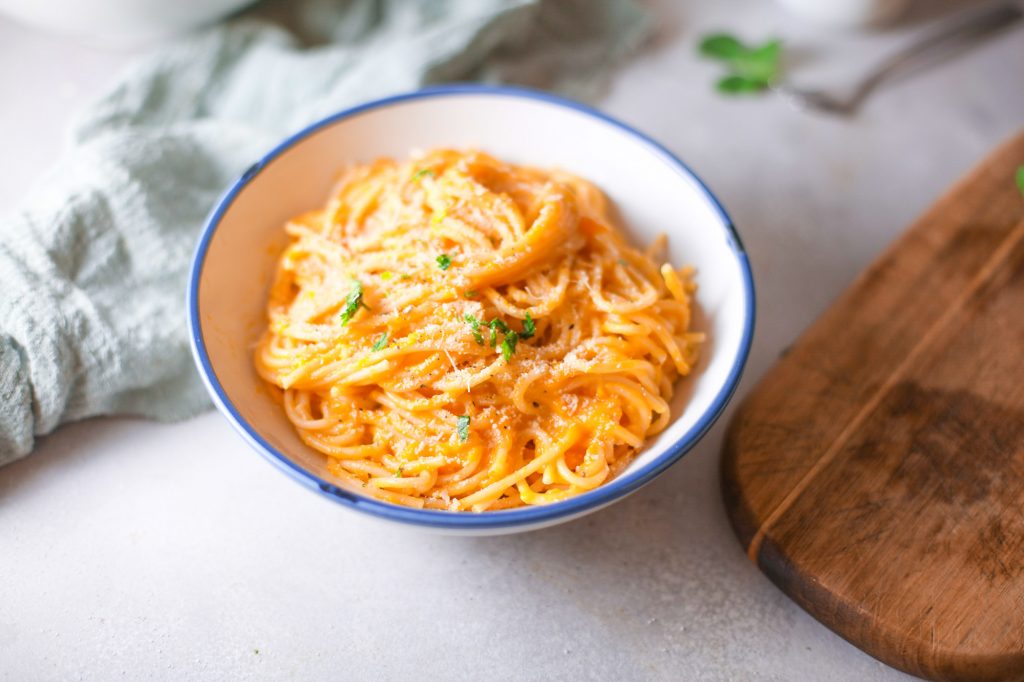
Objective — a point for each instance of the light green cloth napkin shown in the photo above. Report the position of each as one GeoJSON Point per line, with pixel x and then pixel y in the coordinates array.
{"type": "Point", "coordinates": [92, 266]}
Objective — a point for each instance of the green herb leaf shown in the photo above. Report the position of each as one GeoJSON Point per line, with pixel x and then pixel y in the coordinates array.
{"type": "Point", "coordinates": [462, 426]}
{"type": "Point", "coordinates": [508, 345]}
{"type": "Point", "coordinates": [721, 46]}
{"type": "Point", "coordinates": [381, 342]}
{"type": "Point", "coordinates": [497, 325]}
{"type": "Point", "coordinates": [1020, 179]}
{"type": "Point", "coordinates": [475, 324]}
{"type": "Point", "coordinates": [529, 328]}
{"type": "Point", "coordinates": [751, 69]}
{"type": "Point", "coordinates": [422, 172]}
{"type": "Point", "coordinates": [444, 261]}
{"type": "Point", "coordinates": [470, 294]}
{"type": "Point", "coordinates": [734, 85]}
{"type": "Point", "coordinates": [401, 471]}
{"type": "Point", "coordinates": [761, 65]}
{"type": "Point", "coordinates": [353, 302]}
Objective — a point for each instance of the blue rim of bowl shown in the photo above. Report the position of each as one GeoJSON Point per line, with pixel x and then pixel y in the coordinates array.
{"type": "Point", "coordinates": [512, 518]}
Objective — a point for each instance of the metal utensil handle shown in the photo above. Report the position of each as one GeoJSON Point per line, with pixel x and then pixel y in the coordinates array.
{"type": "Point", "coordinates": [940, 45]}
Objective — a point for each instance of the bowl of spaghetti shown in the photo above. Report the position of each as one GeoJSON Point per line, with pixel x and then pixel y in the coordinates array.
{"type": "Point", "coordinates": [471, 308]}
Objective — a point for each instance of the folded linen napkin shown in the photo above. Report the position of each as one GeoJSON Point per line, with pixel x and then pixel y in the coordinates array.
{"type": "Point", "coordinates": [92, 266]}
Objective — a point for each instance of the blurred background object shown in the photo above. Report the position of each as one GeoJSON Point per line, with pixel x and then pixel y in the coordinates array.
{"type": "Point", "coordinates": [119, 23]}
{"type": "Point", "coordinates": [965, 31]}
{"type": "Point", "coordinates": [848, 13]}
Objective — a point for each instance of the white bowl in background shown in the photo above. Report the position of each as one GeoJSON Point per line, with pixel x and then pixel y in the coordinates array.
{"type": "Point", "coordinates": [118, 23]}
{"type": "Point", "coordinates": [653, 191]}
{"type": "Point", "coordinates": [848, 13]}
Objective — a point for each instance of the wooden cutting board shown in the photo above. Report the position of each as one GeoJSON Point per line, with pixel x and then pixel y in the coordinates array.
{"type": "Point", "coordinates": [876, 473]}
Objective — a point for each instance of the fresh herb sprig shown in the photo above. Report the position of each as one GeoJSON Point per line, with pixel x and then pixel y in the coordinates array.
{"type": "Point", "coordinates": [380, 343]}
{"type": "Point", "coordinates": [1020, 179]}
{"type": "Point", "coordinates": [353, 302]}
{"type": "Point", "coordinates": [497, 325]}
{"type": "Point", "coordinates": [751, 68]}
{"type": "Point", "coordinates": [510, 338]}
{"type": "Point", "coordinates": [508, 345]}
{"type": "Point", "coordinates": [529, 328]}
{"type": "Point", "coordinates": [444, 261]}
{"type": "Point", "coordinates": [474, 325]}
{"type": "Point", "coordinates": [462, 428]}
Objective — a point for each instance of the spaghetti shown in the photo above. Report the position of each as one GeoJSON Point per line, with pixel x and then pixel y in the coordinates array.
{"type": "Point", "coordinates": [460, 333]}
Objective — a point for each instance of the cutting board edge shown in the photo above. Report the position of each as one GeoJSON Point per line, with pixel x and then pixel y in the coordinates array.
{"type": "Point", "coordinates": [843, 617]}
{"type": "Point", "coordinates": [913, 655]}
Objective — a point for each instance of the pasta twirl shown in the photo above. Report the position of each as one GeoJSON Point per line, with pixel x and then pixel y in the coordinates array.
{"type": "Point", "coordinates": [460, 333]}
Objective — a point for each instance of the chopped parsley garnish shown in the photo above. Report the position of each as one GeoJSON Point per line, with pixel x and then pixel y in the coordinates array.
{"type": "Point", "coordinates": [381, 342]}
{"type": "Point", "coordinates": [510, 338]}
{"type": "Point", "coordinates": [475, 325]}
{"type": "Point", "coordinates": [1020, 179]}
{"type": "Point", "coordinates": [529, 328]}
{"type": "Point", "coordinates": [353, 302]}
{"type": "Point", "coordinates": [462, 426]}
{"type": "Point", "coordinates": [508, 345]}
{"type": "Point", "coordinates": [497, 325]}
{"type": "Point", "coordinates": [401, 471]}
{"type": "Point", "coordinates": [422, 172]}
{"type": "Point", "coordinates": [444, 261]}
{"type": "Point", "coordinates": [470, 294]}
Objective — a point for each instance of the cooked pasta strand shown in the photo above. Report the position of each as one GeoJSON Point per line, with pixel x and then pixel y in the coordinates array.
{"type": "Point", "coordinates": [454, 332]}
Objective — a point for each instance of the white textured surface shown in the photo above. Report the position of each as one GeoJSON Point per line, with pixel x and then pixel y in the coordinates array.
{"type": "Point", "coordinates": [137, 551]}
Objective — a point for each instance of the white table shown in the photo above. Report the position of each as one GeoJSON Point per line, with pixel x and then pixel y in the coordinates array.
{"type": "Point", "coordinates": [141, 551]}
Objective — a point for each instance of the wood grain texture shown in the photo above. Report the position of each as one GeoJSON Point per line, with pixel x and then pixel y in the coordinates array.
{"type": "Point", "coordinates": [876, 474]}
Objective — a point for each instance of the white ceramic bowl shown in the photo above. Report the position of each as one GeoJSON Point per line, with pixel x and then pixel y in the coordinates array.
{"type": "Point", "coordinates": [653, 191]}
{"type": "Point", "coordinates": [847, 13]}
{"type": "Point", "coordinates": [119, 23]}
